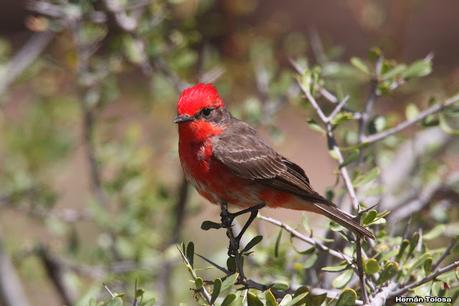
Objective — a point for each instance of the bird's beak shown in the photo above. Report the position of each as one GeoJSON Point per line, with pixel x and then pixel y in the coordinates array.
{"type": "Point", "coordinates": [183, 118]}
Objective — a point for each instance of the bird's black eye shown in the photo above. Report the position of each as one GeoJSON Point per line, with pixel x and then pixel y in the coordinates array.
{"type": "Point", "coordinates": [206, 112]}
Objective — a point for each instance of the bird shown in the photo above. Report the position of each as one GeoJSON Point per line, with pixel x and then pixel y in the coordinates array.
{"type": "Point", "coordinates": [226, 161]}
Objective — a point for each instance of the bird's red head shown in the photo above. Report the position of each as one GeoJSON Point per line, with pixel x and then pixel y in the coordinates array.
{"type": "Point", "coordinates": [200, 112]}
{"type": "Point", "coordinates": [198, 97]}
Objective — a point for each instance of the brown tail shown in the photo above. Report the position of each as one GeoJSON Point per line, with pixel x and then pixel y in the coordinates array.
{"type": "Point", "coordinates": [343, 219]}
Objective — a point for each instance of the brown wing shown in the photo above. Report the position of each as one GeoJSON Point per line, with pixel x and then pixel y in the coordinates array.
{"type": "Point", "coordinates": [241, 150]}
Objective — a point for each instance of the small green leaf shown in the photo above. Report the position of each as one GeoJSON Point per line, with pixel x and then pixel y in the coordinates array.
{"type": "Point", "coordinates": [418, 69]}
{"type": "Point", "coordinates": [198, 282]}
{"type": "Point", "coordinates": [360, 65]}
{"type": "Point", "coordinates": [374, 54]}
{"type": "Point", "coordinates": [229, 299]}
{"type": "Point", "coordinates": [228, 282]}
{"type": "Point", "coordinates": [411, 111]}
{"type": "Point", "coordinates": [315, 300]}
{"type": "Point", "coordinates": [276, 246]}
{"type": "Point", "coordinates": [253, 300]}
{"type": "Point", "coordinates": [298, 300]}
{"type": "Point", "coordinates": [216, 290]}
{"type": "Point", "coordinates": [347, 298]}
{"type": "Point", "coordinates": [116, 301]}
{"type": "Point", "coordinates": [207, 225]}
{"type": "Point", "coordinates": [364, 178]}
{"type": "Point", "coordinates": [313, 125]}
{"type": "Point", "coordinates": [405, 243]}
{"type": "Point", "coordinates": [341, 267]}
{"type": "Point", "coordinates": [285, 300]}
{"type": "Point", "coordinates": [342, 117]}
{"type": "Point", "coordinates": [231, 264]}
{"type": "Point", "coordinates": [310, 261]}
{"type": "Point", "coordinates": [394, 72]}
{"type": "Point", "coordinates": [270, 299]}
{"type": "Point", "coordinates": [255, 240]}
{"type": "Point", "coordinates": [280, 285]}
{"type": "Point", "coordinates": [369, 216]}
{"type": "Point", "coordinates": [371, 266]}
{"type": "Point", "coordinates": [435, 232]}
{"type": "Point", "coordinates": [389, 271]}
{"type": "Point", "coordinates": [190, 252]}
{"type": "Point", "coordinates": [343, 279]}
{"type": "Point", "coordinates": [428, 265]}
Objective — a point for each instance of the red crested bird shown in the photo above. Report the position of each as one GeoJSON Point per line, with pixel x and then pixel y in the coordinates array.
{"type": "Point", "coordinates": [227, 162]}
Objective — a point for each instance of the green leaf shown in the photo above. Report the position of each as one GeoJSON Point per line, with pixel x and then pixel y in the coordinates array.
{"type": "Point", "coordinates": [228, 282]}
{"type": "Point", "coordinates": [270, 299]}
{"type": "Point", "coordinates": [313, 125]}
{"type": "Point", "coordinates": [276, 245]}
{"type": "Point", "coordinates": [190, 252]}
{"type": "Point", "coordinates": [231, 264]}
{"type": "Point", "coordinates": [435, 232]}
{"type": "Point", "coordinates": [347, 298]}
{"type": "Point", "coordinates": [389, 271]}
{"type": "Point", "coordinates": [342, 117]}
{"type": "Point", "coordinates": [298, 300]}
{"type": "Point", "coordinates": [229, 299]}
{"type": "Point", "coordinates": [315, 300]}
{"type": "Point", "coordinates": [364, 178]}
{"type": "Point", "coordinates": [418, 69]}
{"type": "Point", "coordinates": [207, 225]}
{"type": "Point", "coordinates": [255, 240]}
{"type": "Point", "coordinates": [371, 266]}
{"type": "Point", "coordinates": [428, 265]}
{"type": "Point", "coordinates": [374, 54]}
{"type": "Point", "coordinates": [411, 111]}
{"type": "Point", "coordinates": [360, 65]}
{"type": "Point", "coordinates": [199, 282]}
{"type": "Point", "coordinates": [341, 267]}
{"type": "Point", "coordinates": [310, 261]}
{"type": "Point", "coordinates": [413, 243]}
{"type": "Point", "coordinates": [280, 285]}
{"type": "Point", "coordinates": [445, 126]}
{"type": "Point", "coordinates": [394, 72]}
{"type": "Point", "coordinates": [405, 243]}
{"type": "Point", "coordinates": [216, 290]}
{"type": "Point", "coordinates": [343, 279]}
{"type": "Point", "coordinates": [285, 300]}
{"type": "Point", "coordinates": [116, 301]}
{"type": "Point", "coordinates": [369, 216]}
{"type": "Point", "coordinates": [253, 300]}
{"type": "Point", "coordinates": [351, 157]}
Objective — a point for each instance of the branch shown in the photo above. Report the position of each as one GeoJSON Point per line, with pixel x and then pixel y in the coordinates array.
{"type": "Point", "coordinates": [11, 289]}
{"type": "Point", "coordinates": [24, 58]}
{"type": "Point", "coordinates": [426, 279]}
{"type": "Point", "coordinates": [405, 124]}
{"type": "Point", "coordinates": [309, 240]}
{"type": "Point", "coordinates": [205, 295]}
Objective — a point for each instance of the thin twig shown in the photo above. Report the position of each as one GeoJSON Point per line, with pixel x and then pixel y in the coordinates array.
{"type": "Point", "coordinates": [12, 292]}
{"type": "Point", "coordinates": [202, 291]}
{"type": "Point", "coordinates": [24, 58]}
{"type": "Point", "coordinates": [308, 240]}
{"type": "Point", "coordinates": [405, 124]}
{"type": "Point", "coordinates": [426, 279]}
{"type": "Point", "coordinates": [445, 254]}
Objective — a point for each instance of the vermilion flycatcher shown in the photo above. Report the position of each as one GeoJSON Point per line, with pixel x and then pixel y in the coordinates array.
{"type": "Point", "coordinates": [227, 161]}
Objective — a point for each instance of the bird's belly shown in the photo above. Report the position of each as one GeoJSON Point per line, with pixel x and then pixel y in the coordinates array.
{"type": "Point", "coordinates": [217, 183]}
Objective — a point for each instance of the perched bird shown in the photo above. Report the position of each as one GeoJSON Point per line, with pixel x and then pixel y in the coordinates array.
{"type": "Point", "coordinates": [226, 161]}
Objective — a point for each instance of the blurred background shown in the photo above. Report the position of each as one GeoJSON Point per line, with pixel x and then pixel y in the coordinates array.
{"type": "Point", "coordinates": [91, 189]}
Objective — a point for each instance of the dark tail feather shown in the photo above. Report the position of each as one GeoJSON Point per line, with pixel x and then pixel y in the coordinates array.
{"type": "Point", "coordinates": [344, 219]}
